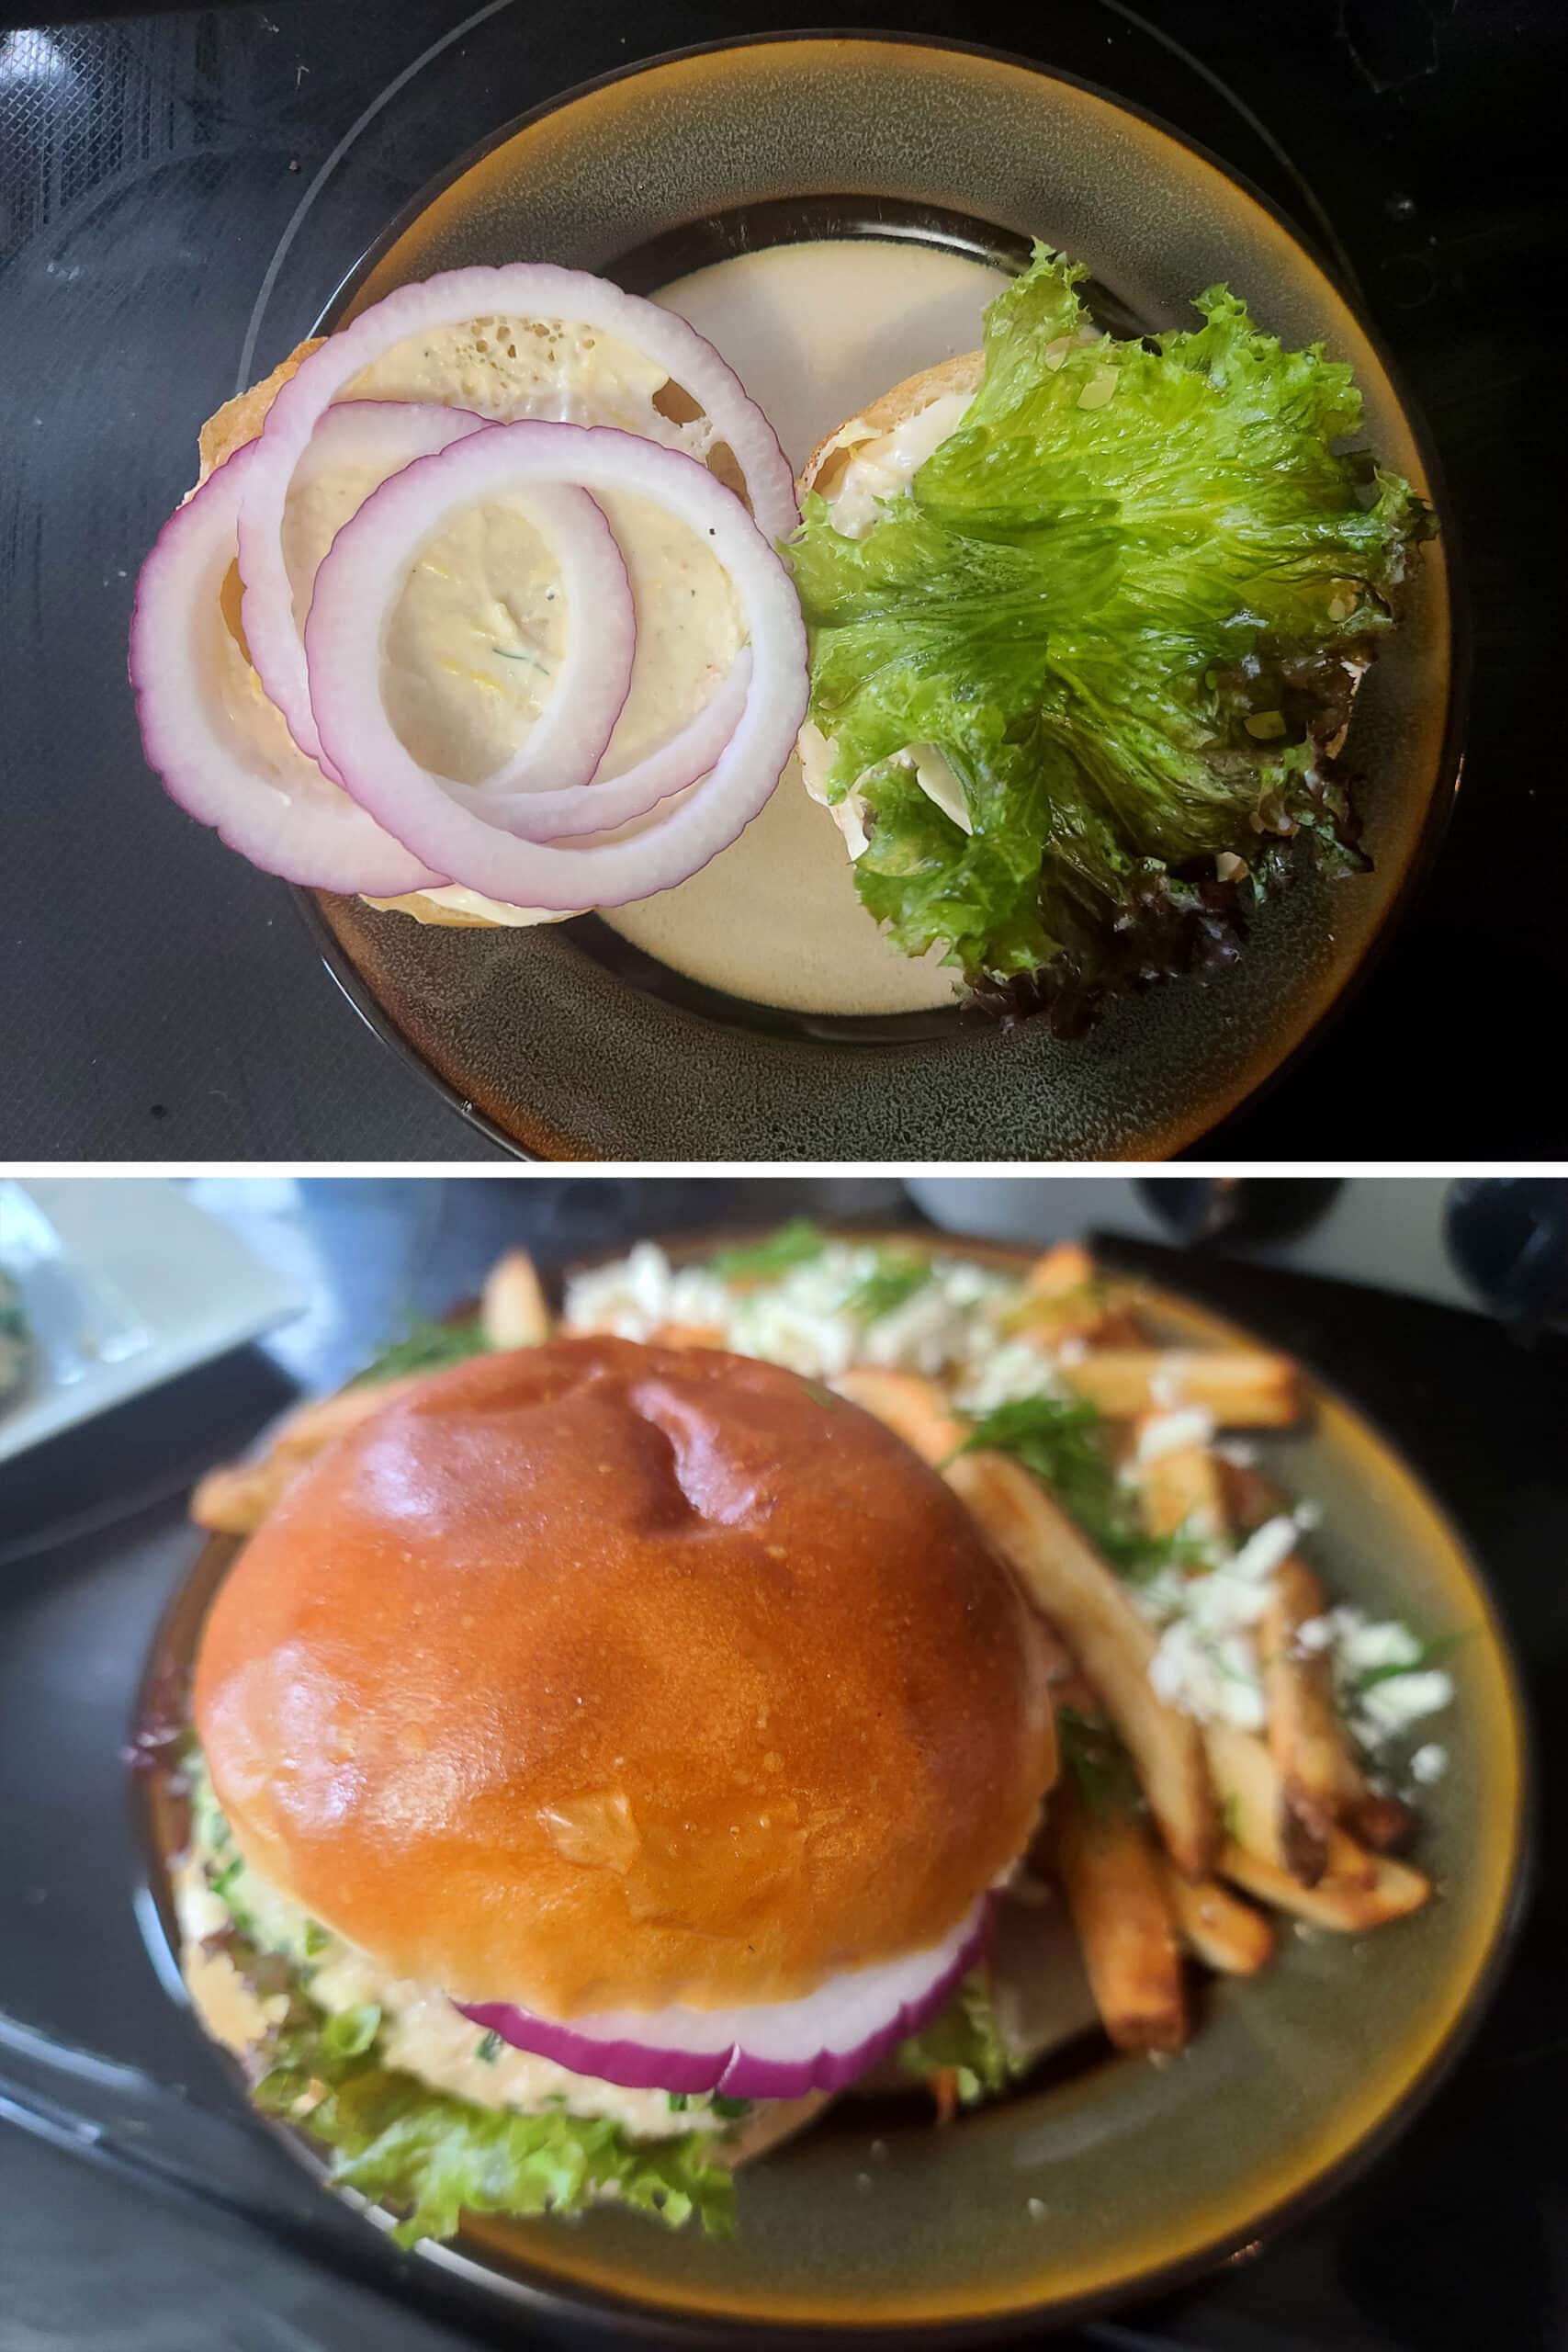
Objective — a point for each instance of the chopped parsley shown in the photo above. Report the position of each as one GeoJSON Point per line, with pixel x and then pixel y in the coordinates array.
{"type": "Point", "coordinates": [426, 1346]}
{"type": "Point", "coordinates": [730, 2108]}
{"type": "Point", "coordinates": [488, 2049]}
{"type": "Point", "coordinates": [679, 2102]}
{"type": "Point", "coordinates": [895, 1277]}
{"type": "Point", "coordinates": [1425, 1657]}
{"type": "Point", "coordinates": [794, 1244]}
{"type": "Point", "coordinates": [317, 1938]}
{"type": "Point", "coordinates": [1062, 1441]}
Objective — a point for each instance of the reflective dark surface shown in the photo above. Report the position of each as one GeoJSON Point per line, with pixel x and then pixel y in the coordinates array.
{"type": "Point", "coordinates": [137, 2223]}
{"type": "Point", "coordinates": [179, 193]}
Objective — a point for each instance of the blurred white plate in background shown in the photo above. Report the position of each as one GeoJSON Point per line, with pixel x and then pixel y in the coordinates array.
{"type": "Point", "coordinates": [123, 1284]}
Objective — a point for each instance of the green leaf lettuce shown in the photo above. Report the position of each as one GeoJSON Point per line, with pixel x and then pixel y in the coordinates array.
{"type": "Point", "coordinates": [1119, 601]}
{"type": "Point", "coordinates": [397, 2141]}
{"type": "Point", "coordinates": [965, 2038]}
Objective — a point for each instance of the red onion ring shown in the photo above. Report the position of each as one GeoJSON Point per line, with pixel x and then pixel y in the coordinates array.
{"type": "Point", "coordinates": [275, 807]}
{"type": "Point", "coordinates": [782, 2050]}
{"type": "Point", "coordinates": [535, 290]}
{"type": "Point", "coordinates": [454, 826]}
{"type": "Point", "coordinates": [376, 437]}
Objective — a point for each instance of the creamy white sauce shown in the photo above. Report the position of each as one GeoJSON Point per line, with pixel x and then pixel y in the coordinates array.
{"type": "Point", "coordinates": [885, 464]}
{"type": "Point", "coordinates": [475, 642]}
{"type": "Point", "coordinates": [816, 333]}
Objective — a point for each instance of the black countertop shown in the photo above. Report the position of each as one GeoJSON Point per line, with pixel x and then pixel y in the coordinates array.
{"type": "Point", "coordinates": [179, 194]}
{"type": "Point", "coordinates": [129, 2227]}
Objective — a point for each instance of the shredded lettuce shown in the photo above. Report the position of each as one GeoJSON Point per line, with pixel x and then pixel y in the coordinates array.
{"type": "Point", "coordinates": [1119, 599]}
{"type": "Point", "coordinates": [396, 2140]}
{"type": "Point", "coordinates": [964, 2040]}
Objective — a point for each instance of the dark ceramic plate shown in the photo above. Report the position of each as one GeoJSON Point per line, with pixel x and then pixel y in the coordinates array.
{"type": "Point", "coordinates": [1109, 2176]}
{"type": "Point", "coordinates": [570, 1045]}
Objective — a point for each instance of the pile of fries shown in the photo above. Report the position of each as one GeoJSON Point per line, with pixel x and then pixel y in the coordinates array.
{"type": "Point", "coordinates": [1171, 1837]}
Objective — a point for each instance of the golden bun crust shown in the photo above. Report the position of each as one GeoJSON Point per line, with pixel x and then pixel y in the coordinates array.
{"type": "Point", "coordinates": [825, 467]}
{"type": "Point", "coordinates": [240, 419]}
{"type": "Point", "coordinates": [604, 1676]}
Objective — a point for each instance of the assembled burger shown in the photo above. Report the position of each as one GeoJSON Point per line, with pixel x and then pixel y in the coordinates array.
{"type": "Point", "coordinates": [604, 1754]}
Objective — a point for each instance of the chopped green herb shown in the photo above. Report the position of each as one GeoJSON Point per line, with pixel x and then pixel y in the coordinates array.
{"type": "Point", "coordinates": [317, 1938]}
{"type": "Point", "coordinates": [1101, 1767]}
{"type": "Point", "coordinates": [1062, 1441]}
{"type": "Point", "coordinates": [1424, 1659]}
{"type": "Point", "coordinates": [352, 2032]}
{"type": "Point", "coordinates": [426, 1346]}
{"type": "Point", "coordinates": [730, 2108]}
{"type": "Point", "coordinates": [225, 1879]}
{"type": "Point", "coordinates": [531, 659]}
{"type": "Point", "coordinates": [794, 1244]}
{"type": "Point", "coordinates": [679, 2102]}
{"type": "Point", "coordinates": [488, 2049]}
{"type": "Point", "coordinates": [896, 1276]}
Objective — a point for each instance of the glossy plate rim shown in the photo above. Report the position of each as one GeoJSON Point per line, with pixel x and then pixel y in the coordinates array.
{"type": "Point", "coordinates": [566, 2290]}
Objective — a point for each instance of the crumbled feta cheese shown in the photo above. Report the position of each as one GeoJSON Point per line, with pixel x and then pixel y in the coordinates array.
{"type": "Point", "coordinates": [1314, 1634]}
{"type": "Point", "coordinates": [1308, 1515]}
{"type": "Point", "coordinates": [1212, 1676]}
{"type": "Point", "coordinates": [1391, 1706]}
{"type": "Point", "coordinates": [1173, 1433]}
{"type": "Point", "coordinates": [1004, 1373]}
{"type": "Point", "coordinates": [1266, 1548]}
{"type": "Point", "coordinates": [1239, 1451]}
{"type": "Point", "coordinates": [1429, 1764]}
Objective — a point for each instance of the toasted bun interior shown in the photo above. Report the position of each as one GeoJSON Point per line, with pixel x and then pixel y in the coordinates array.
{"type": "Point", "coordinates": [829, 461]}
{"type": "Point", "coordinates": [602, 1676]}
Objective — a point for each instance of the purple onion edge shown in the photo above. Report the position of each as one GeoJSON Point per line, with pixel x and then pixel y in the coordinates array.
{"type": "Point", "coordinates": [735, 2073]}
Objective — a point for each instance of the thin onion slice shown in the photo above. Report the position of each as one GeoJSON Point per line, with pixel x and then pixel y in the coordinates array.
{"type": "Point", "coordinates": [365, 438]}
{"type": "Point", "coordinates": [524, 290]}
{"type": "Point", "coordinates": [455, 826]}
{"type": "Point", "coordinates": [781, 2051]}
{"type": "Point", "coordinates": [265, 798]}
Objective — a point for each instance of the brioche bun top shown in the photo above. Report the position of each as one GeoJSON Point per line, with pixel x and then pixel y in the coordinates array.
{"type": "Point", "coordinates": [602, 1676]}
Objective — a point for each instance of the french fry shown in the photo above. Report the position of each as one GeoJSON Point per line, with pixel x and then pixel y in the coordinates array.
{"type": "Point", "coordinates": [1181, 1488]}
{"type": "Point", "coordinates": [1243, 1391]}
{"type": "Point", "coordinates": [1376, 1890]}
{"type": "Point", "coordinates": [513, 1311]}
{"type": "Point", "coordinates": [1064, 1298]}
{"type": "Point", "coordinates": [1249, 1495]}
{"type": "Point", "coordinates": [1216, 1927]}
{"type": "Point", "coordinates": [1111, 1874]}
{"type": "Point", "coordinates": [235, 1498]}
{"type": "Point", "coordinates": [1072, 1586]}
{"type": "Point", "coordinates": [1322, 1782]}
{"type": "Point", "coordinates": [1252, 1804]}
{"type": "Point", "coordinates": [686, 1335]}
{"type": "Point", "coordinates": [1318, 1778]}
{"type": "Point", "coordinates": [1066, 1267]}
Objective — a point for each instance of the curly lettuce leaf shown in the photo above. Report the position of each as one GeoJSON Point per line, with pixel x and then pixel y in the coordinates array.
{"type": "Point", "coordinates": [396, 2140]}
{"type": "Point", "coordinates": [964, 2041]}
{"type": "Point", "coordinates": [1119, 599]}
